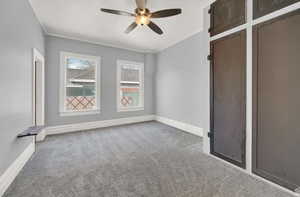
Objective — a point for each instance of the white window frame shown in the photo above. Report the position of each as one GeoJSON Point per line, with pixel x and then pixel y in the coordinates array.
{"type": "Point", "coordinates": [140, 65]}
{"type": "Point", "coordinates": [63, 57]}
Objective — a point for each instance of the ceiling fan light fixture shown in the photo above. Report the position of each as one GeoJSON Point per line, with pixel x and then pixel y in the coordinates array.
{"type": "Point", "coordinates": [143, 16]}
{"type": "Point", "coordinates": [142, 20]}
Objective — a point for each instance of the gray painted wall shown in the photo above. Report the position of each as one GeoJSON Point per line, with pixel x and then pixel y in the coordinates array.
{"type": "Point", "coordinates": [19, 33]}
{"type": "Point", "coordinates": [176, 79]}
{"type": "Point", "coordinates": [182, 82]}
{"type": "Point", "coordinates": [109, 57]}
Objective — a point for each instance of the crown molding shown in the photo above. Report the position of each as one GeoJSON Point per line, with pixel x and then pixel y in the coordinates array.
{"type": "Point", "coordinates": [39, 21]}
{"type": "Point", "coordinates": [100, 43]}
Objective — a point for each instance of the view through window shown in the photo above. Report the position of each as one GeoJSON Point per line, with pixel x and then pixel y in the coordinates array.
{"type": "Point", "coordinates": [131, 87]}
{"type": "Point", "coordinates": [80, 83]}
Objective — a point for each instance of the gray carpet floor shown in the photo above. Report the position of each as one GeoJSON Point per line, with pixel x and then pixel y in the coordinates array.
{"type": "Point", "coordinates": [140, 160]}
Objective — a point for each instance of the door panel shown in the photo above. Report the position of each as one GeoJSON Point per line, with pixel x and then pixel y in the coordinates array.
{"type": "Point", "coordinates": [227, 14]}
{"type": "Point", "coordinates": [263, 7]}
{"type": "Point", "coordinates": [276, 97]}
{"type": "Point", "coordinates": [228, 98]}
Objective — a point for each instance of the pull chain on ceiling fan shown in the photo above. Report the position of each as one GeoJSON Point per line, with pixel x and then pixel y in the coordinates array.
{"type": "Point", "coordinates": [143, 16]}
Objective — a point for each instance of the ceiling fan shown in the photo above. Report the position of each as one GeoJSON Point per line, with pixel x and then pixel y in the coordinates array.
{"type": "Point", "coordinates": [143, 16]}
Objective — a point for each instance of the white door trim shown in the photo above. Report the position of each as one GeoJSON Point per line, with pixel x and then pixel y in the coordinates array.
{"type": "Point", "coordinates": [38, 92]}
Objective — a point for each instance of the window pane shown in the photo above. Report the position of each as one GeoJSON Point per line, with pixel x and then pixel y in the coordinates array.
{"type": "Point", "coordinates": [130, 77]}
{"type": "Point", "coordinates": [129, 74]}
{"type": "Point", "coordinates": [130, 96]}
{"type": "Point", "coordinates": [80, 85]}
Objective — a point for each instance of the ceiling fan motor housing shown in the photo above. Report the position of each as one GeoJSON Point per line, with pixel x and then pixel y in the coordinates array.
{"type": "Point", "coordinates": [142, 16]}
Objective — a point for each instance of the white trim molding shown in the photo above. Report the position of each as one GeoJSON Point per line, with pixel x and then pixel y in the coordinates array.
{"type": "Point", "coordinates": [100, 43]}
{"type": "Point", "coordinates": [97, 124]}
{"type": "Point", "coordinates": [13, 170]}
{"type": "Point", "coordinates": [38, 88]}
{"type": "Point", "coordinates": [181, 125]}
{"type": "Point", "coordinates": [249, 69]}
{"type": "Point", "coordinates": [41, 136]}
{"type": "Point", "coordinates": [229, 32]}
{"type": "Point", "coordinates": [61, 129]}
{"type": "Point", "coordinates": [81, 113]}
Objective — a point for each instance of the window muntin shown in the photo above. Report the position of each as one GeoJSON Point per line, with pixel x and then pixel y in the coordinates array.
{"type": "Point", "coordinates": [130, 86]}
{"type": "Point", "coordinates": [80, 83]}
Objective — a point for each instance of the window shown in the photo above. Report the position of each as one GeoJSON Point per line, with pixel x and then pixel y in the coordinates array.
{"type": "Point", "coordinates": [80, 85]}
{"type": "Point", "coordinates": [130, 82]}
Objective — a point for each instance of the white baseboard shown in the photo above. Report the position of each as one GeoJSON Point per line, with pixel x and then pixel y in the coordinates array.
{"type": "Point", "coordinates": [41, 136]}
{"type": "Point", "coordinates": [11, 173]}
{"type": "Point", "coordinates": [181, 125]}
{"type": "Point", "coordinates": [97, 124]}
{"type": "Point", "coordinates": [116, 122]}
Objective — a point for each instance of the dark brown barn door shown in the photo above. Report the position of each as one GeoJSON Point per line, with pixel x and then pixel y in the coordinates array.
{"type": "Point", "coordinates": [228, 92]}
{"type": "Point", "coordinates": [263, 7]}
{"type": "Point", "coordinates": [276, 97]}
{"type": "Point", "coordinates": [227, 14]}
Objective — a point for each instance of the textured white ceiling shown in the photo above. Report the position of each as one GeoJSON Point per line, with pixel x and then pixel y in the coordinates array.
{"type": "Point", "coordinates": [82, 20]}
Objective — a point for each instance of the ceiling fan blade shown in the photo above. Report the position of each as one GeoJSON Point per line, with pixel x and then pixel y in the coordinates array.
{"type": "Point", "coordinates": [131, 27]}
{"type": "Point", "coordinates": [166, 13]}
{"type": "Point", "coordinates": [141, 4]}
{"type": "Point", "coordinates": [117, 12]}
{"type": "Point", "coordinates": [155, 28]}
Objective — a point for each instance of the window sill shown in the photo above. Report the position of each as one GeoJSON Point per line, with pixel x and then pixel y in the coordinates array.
{"type": "Point", "coordinates": [131, 109]}
{"type": "Point", "coordinates": [80, 113]}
